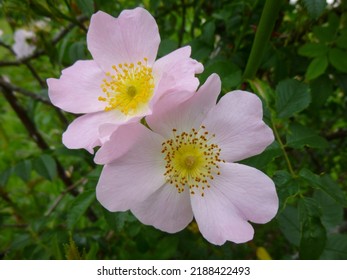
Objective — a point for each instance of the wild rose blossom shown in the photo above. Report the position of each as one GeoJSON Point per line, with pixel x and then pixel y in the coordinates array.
{"type": "Point", "coordinates": [185, 167]}
{"type": "Point", "coordinates": [23, 45]}
{"type": "Point", "coordinates": [123, 82]}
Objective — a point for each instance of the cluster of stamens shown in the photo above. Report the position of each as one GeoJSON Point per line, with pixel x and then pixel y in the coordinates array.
{"type": "Point", "coordinates": [129, 88]}
{"type": "Point", "coordinates": [192, 160]}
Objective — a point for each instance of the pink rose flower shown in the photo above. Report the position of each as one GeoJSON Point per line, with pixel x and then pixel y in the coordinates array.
{"type": "Point", "coordinates": [123, 82]}
{"type": "Point", "coordinates": [184, 167]}
{"type": "Point", "coordinates": [23, 43]}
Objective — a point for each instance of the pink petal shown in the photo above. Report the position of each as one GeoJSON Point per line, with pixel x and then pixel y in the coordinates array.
{"type": "Point", "coordinates": [238, 125]}
{"type": "Point", "coordinates": [165, 209]}
{"type": "Point", "coordinates": [122, 139]}
{"type": "Point", "coordinates": [238, 194]}
{"type": "Point", "coordinates": [190, 113]}
{"type": "Point", "coordinates": [133, 177]}
{"type": "Point", "coordinates": [78, 89]}
{"type": "Point", "coordinates": [83, 132]}
{"type": "Point", "coordinates": [177, 72]}
{"type": "Point", "coordinates": [129, 38]}
{"type": "Point", "coordinates": [250, 190]}
{"type": "Point", "coordinates": [219, 220]}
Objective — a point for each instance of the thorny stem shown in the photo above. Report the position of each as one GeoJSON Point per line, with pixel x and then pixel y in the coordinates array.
{"type": "Point", "coordinates": [262, 36]}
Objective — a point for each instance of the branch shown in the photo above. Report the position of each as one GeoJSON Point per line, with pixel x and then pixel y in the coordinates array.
{"type": "Point", "coordinates": [60, 35]}
{"type": "Point", "coordinates": [35, 74]}
{"type": "Point", "coordinates": [82, 181]}
{"type": "Point", "coordinates": [262, 36]}
{"type": "Point", "coordinates": [34, 96]}
{"type": "Point", "coordinates": [32, 130]}
{"type": "Point", "coordinates": [337, 135]}
{"type": "Point", "coordinates": [41, 143]}
{"type": "Point", "coordinates": [23, 91]}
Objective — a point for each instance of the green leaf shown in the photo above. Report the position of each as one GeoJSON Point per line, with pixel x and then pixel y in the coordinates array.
{"type": "Point", "coordinates": [208, 33]}
{"type": "Point", "coordinates": [338, 58]}
{"type": "Point", "coordinates": [117, 220]}
{"type": "Point", "coordinates": [321, 89]}
{"type": "Point", "coordinates": [23, 170]}
{"type": "Point", "coordinates": [46, 166]}
{"type": "Point", "coordinates": [341, 41]}
{"type": "Point", "coordinates": [313, 50]}
{"type": "Point", "coordinates": [72, 252]}
{"type": "Point", "coordinates": [86, 6]}
{"type": "Point", "coordinates": [79, 207]}
{"type": "Point", "coordinates": [260, 161]}
{"type": "Point", "coordinates": [332, 213]}
{"type": "Point", "coordinates": [282, 177]}
{"type": "Point", "coordinates": [317, 67]}
{"type": "Point", "coordinates": [200, 50]}
{"type": "Point", "coordinates": [315, 7]}
{"type": "Point", "coordinates": [313, 234]}
{"type": "Point", "coordinates": [233, 80]}
{"type": "Point", "coordinates": [166, 46]}
{"type": "Point", "coordinates": [287, 186]}
{"type": "Point", "coordinates": [292, 97]}
{"type": "Point", "coordinates": [326, 184]}
{"type": "Point", "coordinates": [289, 225]}
{"type": "Point", "coordinates": [300, 136]}
{"type": "Point", "coordinates": [225, 70]}
{"type": "Point", "coordinates": [167, 247]}
{"type": "Point", "coordinates": [77, 51]}
{"type": "Point", "coordinates": [4, 176]}
{"type": "Point", "coordinates": [326, 32]}
{"type": "Point", "coordinates": [336, 248]}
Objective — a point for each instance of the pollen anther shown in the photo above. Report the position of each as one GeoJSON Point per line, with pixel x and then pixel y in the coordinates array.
{"type": "Point", "coordinates": [129, 88]}
{"type": "Point", "coordinates": [192, 160]}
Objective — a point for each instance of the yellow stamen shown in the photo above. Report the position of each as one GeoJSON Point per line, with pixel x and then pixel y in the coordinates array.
{"type": "Point", "coordinates": [192, 160]}
{"type": "Point", "coordinates": [129, 88]}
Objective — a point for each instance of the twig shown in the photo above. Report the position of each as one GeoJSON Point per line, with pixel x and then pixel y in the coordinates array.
{"type": "Point", "coordinates": [31, 128]}
{"type": "Point", "coordinates": [82, 181]}
{"type": "Point", "coordinates": [35, 74]}
{"type": "Point", "coordinates": [10, 63]}
{"type": "Point", "coordinates": [24, 92]}
{"type": "Point", "coordinates": [282, 146]}
{"type": "Point", "coordinates": [55, 40]}
{"type": "Point", "coordinates": [34, 96]}
{"type": "Point", "coordinates": [41, 143]}
{"type": "Point", "coordinates": [6, 46]}
{"type": "Point", "coordinates": [337, 134]}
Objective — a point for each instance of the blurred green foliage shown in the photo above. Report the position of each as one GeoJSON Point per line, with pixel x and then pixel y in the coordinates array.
{"type": "Point", "coordinates": [48, 208]}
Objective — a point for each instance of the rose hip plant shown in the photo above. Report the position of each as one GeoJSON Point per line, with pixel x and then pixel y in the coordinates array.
{"type": "Point", "coordinates": [173, 129]}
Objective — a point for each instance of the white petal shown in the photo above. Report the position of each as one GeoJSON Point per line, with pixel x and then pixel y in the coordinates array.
{"type": "Point", "coordinates": [237, 123]}
{"type": "Point", "coordinates": [130, 179]}
{"type": "Point", "coordinates": [188, 114]}
{"type": "Point", "coordinates": [165, 209]}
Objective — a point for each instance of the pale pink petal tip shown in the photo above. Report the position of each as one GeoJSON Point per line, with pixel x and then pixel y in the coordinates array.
{"type": "Point", "coordinates": [83, 132]}
{"type": "Point", "coordinates": [240, 195]}
{"type": "Point", "coordinates": [129, 38]}
{"type": "Point", "coordinates": [165, 209]}
{"type": "Point", "coordinates": [78, 89]}
{"type": "Point", "coordinates": [238, 125]}
{"type": "Point", "coordinates": [130, 179]}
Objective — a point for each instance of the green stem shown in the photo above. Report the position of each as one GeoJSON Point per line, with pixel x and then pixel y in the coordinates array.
{"type": "Point", "coordinates": [262, 36]}
{"type": "Point", "coordinates": [282, 146]}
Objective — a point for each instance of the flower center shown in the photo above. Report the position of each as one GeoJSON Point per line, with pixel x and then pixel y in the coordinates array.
{"type": "Point", "coordinates": [129, 88]}
{"type": "Point", "coordinates": [192, 159]}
